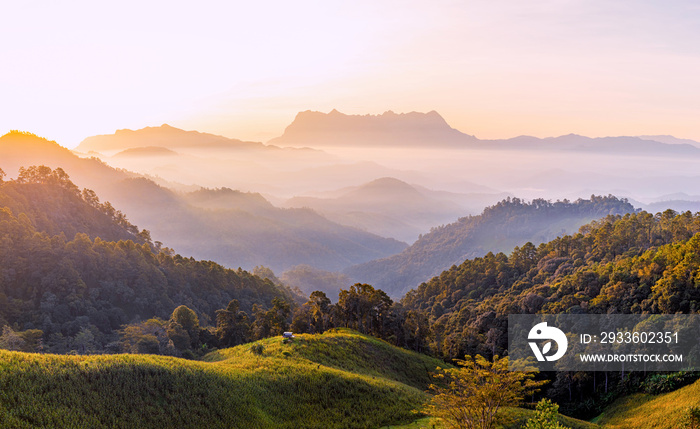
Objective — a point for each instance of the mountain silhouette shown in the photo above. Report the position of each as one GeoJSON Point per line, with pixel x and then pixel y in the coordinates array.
{"type": "Point", "coordinates": [430, 130]}
{"type": "Point", "coordinates": [164, 136]}
{"type": "Point", "coordinates": [316, 129]}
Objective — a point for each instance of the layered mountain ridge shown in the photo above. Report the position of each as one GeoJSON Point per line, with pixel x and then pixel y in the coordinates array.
{"type": "Point", "coordinates": [236, 230]}
{"type": "Point", "coordinates": [430, 130]}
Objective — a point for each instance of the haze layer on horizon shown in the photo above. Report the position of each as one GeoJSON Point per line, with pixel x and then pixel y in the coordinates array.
{"type": "Point", "coordinates": [243, 70]}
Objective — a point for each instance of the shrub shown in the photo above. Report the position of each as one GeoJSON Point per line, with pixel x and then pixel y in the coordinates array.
{"type": "Point", "coordinates": [663, 383]}
{"type": "Point", "coordinates": [257, 349]}
{"type": "Point", "coordinates": [691, 419]}
{"type": "Point", "coordinates": [546, 416]}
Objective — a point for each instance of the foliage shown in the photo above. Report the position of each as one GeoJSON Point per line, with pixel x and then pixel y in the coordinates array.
{"type": "Point", "coordinates": [232, 325]}
{"type": "Point", "coordinates": [634, 263]}
{"type": "Point", "coordinates": [363, 308]}
{"type": "Point", "coordinates": [149, 337]}
{"type": "Point", "coordinates": [80, 291]}
{"type": "Point", "coordinates": [692, 418]}
{"type": "Point", "coordinates": [55, 205]}
{"type": "Point", "coordinates": [546, 416]}
{"type": "Point", "coordinates": [9, 340]}
{"type": "Point", "coordinates": [471, 397]}
{"type": "Point", "coordinates": [366, 309]}
{"type": "Point", "coordinates": [271, 322]}
{"type": "Point", "coordinates": [663, 383]}
{"type": "Point", "coordinates": [186, 319]}
{"type": "Point", "coordinates": [257, 349]}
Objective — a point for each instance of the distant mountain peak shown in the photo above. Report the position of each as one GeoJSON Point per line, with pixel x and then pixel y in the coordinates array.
{"type": "Point", "coordinates": [386, 189]}
{"type": "Point", "coordinates": [165, 136]}
{"type": "Point", "coordinates": [163, 127]}
{"type": "Point", "coordinates": [17, 142]}
{"type": "Point", "coordinates": [387, 182]}
{"type": "Point", "coordinates": [412, 129]}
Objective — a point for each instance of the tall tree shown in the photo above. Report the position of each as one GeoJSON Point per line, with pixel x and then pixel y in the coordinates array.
{"type": "Point", "coordinates": [471, 396]}
{"type": "Point", "coordinates": [187, 319]}
{"type": "Point", "coordinates": [232, 325]}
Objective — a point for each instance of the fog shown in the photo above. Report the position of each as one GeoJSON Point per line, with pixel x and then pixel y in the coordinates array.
{"type": "Point", "coordinates": [281, 174]}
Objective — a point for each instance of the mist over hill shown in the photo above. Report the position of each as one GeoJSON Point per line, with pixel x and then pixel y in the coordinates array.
{"type": "Point", "coordinates": [248, 234]}
{"type": "Point", "coordinates": [324, 152]}
{"type": "Point", "coordinates": [229, 199]}
{"type": "Point", "coordinates": [225, 232]}
{"type": "Point", "coordinates": [147, 151]}
{"type": "Point", "coordinates": [430, 130]}
{"type": "Point", "coordinates": [393, 208]}
{"type": "Point", "coordinates": [510, 223]}
{"type": "Point", "coordinates": [445, 182]}
{"type": "Point", "coordinates": [191, 158]}
{"type": "Point", "coordinates": [164, 136]}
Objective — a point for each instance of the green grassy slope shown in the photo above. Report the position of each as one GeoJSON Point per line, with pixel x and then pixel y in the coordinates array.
{"type": "Point", "coordinates": [516, 418]}
{"type": "Point", "coordinates": [346, 350]}
{"type": "Point", "coordinates": [513, 418]}
{"type": "Point", "coordinates": [641, 411]}
{"type": "Point", "coordinates": [341, 379]}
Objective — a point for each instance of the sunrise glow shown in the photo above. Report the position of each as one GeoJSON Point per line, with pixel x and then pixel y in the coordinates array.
{"type": "Point", "coordinates": [243, 70]}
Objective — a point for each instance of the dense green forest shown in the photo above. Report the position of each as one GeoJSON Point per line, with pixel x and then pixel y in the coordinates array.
{"type": "Point", "coordinates": [499, 228]}
{"type": "Point", "coordinates": [74, 270]}
{"type": "Point", "coordinates": [50, 201]}
{"type": "Point", "coordinates": [634, 263]}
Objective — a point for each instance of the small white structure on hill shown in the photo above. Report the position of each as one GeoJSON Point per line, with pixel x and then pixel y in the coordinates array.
{"type": "Point", "coordinates": [287, 335]}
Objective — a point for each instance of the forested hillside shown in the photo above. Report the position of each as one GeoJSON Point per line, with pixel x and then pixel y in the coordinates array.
{"type": "Point", "coordinates": [71, 265]}
{"type": "Point", "coordinates": [54, 205]}
{"type": "Point", "coordinates": [634, 263]}
{"type": "Point", "coordinates": [499, 228]}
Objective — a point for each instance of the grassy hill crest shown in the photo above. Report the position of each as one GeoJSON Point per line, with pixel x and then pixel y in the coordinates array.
{"type": "Point", "coordinates": [313, 381]}
{"type": "Point", "coordinates": [644, 411]}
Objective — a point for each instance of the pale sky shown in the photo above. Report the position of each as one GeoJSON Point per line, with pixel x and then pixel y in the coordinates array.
{"type": "Point", "coordinates": [492, 68]}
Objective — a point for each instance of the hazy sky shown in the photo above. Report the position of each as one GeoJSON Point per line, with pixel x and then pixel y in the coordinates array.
{"type": "Point", "coordinates": [492, 68]}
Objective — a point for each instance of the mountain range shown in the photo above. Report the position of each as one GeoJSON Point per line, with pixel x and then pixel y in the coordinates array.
{"type": "Point", "coordinates": [164, 136]}
{"type": "Point", "coordinates": [430, 130]}
{"type": "Point", "coordinates": [325, 152]}
{"type": "Point", "coordinates": [218, 198]}
{"type": "Point", "coordinates": [316, 129]}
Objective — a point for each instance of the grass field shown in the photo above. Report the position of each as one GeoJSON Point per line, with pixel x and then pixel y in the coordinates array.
{"type": "Point", "coordinates": [515, 418]}
{"type": "Point", "coordinates": [336, 380]}
{"type": "Point", "coordinates": [641, 411]}
{"type": "Point", "coordinates": [340, 379]}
